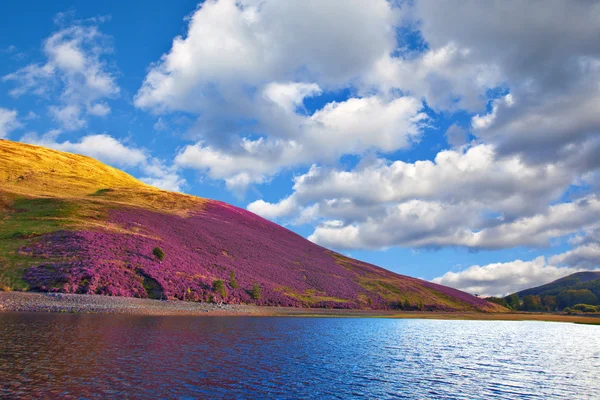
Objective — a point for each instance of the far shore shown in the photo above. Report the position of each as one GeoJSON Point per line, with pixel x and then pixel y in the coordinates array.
{"type": "Point", "coordinates": [94, 304]}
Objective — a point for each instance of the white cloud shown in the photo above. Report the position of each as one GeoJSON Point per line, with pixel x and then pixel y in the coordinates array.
{"type": "Point", "coordinates": [584, 257]}
{"type": "Point", "coordinates": [435, 224]}
{"type": "Point", "coordinates": [99, 109]}
{"type": "Point", "coordinates": [501, 279]}
{"type": "Point", "coordinates": [8, 122]}
{"type": "Point", "coordinates": [551, 69]}
{"type": "Point", "coordinates": [162, 176]}
{"type": "Point", "coordinates": [350, 127]}
{"type": "Point", "coordinates": [248, 90]}
{"type": "Point", "coordinates": [68, 116]}
{"type": "Point", "coordinates": [290, 95]}
{"type": "Point", "coordinates": [74, 66]}
{"type": "Point", "coordinates": [273, 210]}
{"type": "Point", "coordinates": [446, 77]}
{"type": "Point", "coordinates": [456, 136]}
{"type": "Point", "coordinates": [252, 43]}
{"type": "Point", "coordinates": [473, 177]}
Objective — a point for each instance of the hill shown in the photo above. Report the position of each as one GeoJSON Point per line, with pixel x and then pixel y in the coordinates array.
{"type": "Point", "coordinates": [71, 224]}
{"type": "Point", "coordinates": [589, 280]}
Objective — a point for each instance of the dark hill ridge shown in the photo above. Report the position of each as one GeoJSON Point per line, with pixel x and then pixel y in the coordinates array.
{"type": "Point", "coordinates": [72, 224]}
{"type": "Point", "coordinates": [580, 280]}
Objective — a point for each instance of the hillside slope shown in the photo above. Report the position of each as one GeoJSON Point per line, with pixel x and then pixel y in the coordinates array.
{"type": "Point", "coordinates": [589, 280]}
{"type": "Point", "coordinates": [69, 223]}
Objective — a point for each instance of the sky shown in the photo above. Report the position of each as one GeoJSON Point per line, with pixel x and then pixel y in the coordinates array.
{"type": "Point", "coordinates": [455, 141]}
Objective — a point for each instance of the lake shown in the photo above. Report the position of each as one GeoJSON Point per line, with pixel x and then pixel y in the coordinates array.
{"type": "Point", "coordinates": [117, 356]}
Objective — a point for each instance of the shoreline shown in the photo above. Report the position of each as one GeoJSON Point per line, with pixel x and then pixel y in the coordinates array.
{"type": "Point", "coordinates": [96, 304]}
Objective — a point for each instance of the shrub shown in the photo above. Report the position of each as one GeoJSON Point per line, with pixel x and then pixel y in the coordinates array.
{"type": "Point", "coordinates": [498, 300]}
{"type": "Point", "coordinates": [255, 292]}
{"type": "Point", "coordinates": [232, 281]}
{"type": "Point", "coordinates": [568, 311]}
{"type": "Point", "coordinates": [407, 305]}
{"type": "Point", "coordinates": [219, 287]}
{"type": "Point", "coordinates": [585, 308]}
{"type": "Point", "coordinates": [5, 283]}
{"type": "Point", "coordinates": [158, 253]}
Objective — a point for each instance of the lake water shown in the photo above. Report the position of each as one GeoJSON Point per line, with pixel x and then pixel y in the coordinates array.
{"type": "Point", "coordinates": [108, 356]}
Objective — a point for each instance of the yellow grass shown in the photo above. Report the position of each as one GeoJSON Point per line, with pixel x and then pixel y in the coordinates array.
{"type": "Point", "coordinates": [34, 171]}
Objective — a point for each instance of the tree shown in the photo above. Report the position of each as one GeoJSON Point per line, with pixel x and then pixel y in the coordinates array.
{"type": "Point", "coordinates": [407, 305]}
{"type": "Point", "coordinates": [532, 303]}
{"type": "Point", "coordinates": [550, 302]}
{"type": "Point", "coordinates": [568, 298]}
{"type": "Point", "coordinates": [219, 287]}
{"type": "Point", "coordinates": [158, 253]}
{"type": "Point", "coordinates": [232, 281]}
{"type": "Point", "coordinates": [255, 292]}
{"type": "Point", "coordinates": [513, 302]}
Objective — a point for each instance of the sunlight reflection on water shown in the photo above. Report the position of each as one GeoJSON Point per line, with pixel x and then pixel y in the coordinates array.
{"type": "Point", "coordinates": [100, 356]}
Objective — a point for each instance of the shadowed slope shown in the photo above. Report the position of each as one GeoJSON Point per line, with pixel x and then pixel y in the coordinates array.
{"type": "Point", "coordinates": [580, 280]}
{"type": "Point", "coordinates": [72, 224]}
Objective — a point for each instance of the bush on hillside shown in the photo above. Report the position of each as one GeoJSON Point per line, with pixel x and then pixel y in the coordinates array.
{"type": "Point", "coordinates": [219, 287]}
{"type": "Point", "coordinates": [158, 253]}
{"type": "Point", "coordinates": [232, 281]}
{"type": "Point", "coordinates": [255, 292]}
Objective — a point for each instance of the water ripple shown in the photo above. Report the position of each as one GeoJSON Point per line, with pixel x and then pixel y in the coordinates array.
{"type": "Point", "coordinates": [100, 356]}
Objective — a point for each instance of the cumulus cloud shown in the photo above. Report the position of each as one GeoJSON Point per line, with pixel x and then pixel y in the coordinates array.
{"type": "Point", "coordinates": [584, 257]}
{"type": "Point", "coordinates": [447, 77]}
{"type": "Point", "coordinates": [546, 61]}
{"type": "Point", "coordinates": [349, 127]}
{"type": "Point", "coordinates": [8, 121]}
{"type": "Point", "coordinates": [456, 136]}
{"type": "Point", "coordinates": [229, 43]}
{"type": "Point", "coordinates": [112, 151]}
{"type": "Point", "coordinates": [75, 67]}
{"type": "Point", "coordinates": [433, 224]}
{"type": "Point", "coordinates": [245, 70]}
{"type": "Point", "coordinates": [501, 279]}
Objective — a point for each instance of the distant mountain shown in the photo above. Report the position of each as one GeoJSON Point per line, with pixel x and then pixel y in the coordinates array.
{"type": "Point", "coordinates": [580, 280]}
{"type": "Point", "coordinates": [69, 223]}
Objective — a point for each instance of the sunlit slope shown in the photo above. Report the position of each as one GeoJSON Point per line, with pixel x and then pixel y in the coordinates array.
{"type": "Point", "coordinates": [72, 224]}
{"type": "Point", "coordinates": [42, 172]}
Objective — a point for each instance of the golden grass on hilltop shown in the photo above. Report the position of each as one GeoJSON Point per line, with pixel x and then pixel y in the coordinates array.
{"type": "Point", "coordinates": [28, 170]}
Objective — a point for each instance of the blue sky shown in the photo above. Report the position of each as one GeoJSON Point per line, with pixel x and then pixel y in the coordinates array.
{"type": "Point", "coordinates": [443, 140]}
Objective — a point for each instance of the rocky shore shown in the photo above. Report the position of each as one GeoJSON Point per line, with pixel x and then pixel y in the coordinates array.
{"type": "Point", "coordinates": [94, 304]}
{"type": "Point", "coordinates": [76, 303]}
